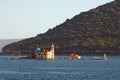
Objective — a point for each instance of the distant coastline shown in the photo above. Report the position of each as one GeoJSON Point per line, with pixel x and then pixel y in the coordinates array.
{"type": "Point", "coordinates": [4, 42]}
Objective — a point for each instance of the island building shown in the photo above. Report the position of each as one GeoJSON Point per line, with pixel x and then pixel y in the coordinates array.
{"type": "Point", "coordinates": [74, 56]}
{"type": "Point", "coordinates": [45, 54]}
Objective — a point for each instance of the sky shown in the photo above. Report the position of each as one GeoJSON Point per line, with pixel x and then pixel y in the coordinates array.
{"type": "Point", "coordinates": [27, 18]}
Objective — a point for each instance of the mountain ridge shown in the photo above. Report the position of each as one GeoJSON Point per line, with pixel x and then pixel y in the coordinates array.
{"type": "Point", "coordinates": [94, 31]}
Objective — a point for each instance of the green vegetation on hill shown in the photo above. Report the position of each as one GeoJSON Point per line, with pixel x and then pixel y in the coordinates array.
{"type": "Point", "coordinates": [94, 31]}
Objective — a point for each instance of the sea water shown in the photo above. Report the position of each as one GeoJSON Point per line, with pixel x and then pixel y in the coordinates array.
{"type": "Point", "coordinates": [60, 69]}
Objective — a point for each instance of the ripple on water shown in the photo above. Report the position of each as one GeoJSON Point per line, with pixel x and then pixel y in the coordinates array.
{"type": "Point", "coordinates": [60, 69]}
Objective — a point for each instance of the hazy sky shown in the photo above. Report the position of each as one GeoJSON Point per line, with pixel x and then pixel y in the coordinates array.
{"type": "Point", "coordinates": [27, 18]}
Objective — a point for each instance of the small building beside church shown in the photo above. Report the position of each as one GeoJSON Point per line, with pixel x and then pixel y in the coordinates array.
{"type": "Point", "coordinates": [74, 56]}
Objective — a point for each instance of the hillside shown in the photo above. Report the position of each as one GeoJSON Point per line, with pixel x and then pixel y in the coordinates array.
{"type": "Point", "coordinates": [4, 42]}
{"type": "Point", "coordinates": [94, 31]}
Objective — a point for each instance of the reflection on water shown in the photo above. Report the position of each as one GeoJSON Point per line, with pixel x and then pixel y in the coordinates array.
{"type": "Point", "coordinates": [60, 69]}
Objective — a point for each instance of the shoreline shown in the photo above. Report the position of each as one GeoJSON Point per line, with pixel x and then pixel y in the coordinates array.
{"type": "Point", "coordinates": [62, 54]}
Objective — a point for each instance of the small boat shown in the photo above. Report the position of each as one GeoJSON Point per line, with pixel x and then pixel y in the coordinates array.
{"type": "Point", "coordinates": [99, 58]}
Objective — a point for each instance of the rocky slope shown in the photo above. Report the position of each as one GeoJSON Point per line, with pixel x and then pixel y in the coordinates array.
{"type": "Point", "coordinates": [94, 31]}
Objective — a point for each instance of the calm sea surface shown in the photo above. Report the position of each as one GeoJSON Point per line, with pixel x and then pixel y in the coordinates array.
{"type": "Point", "coordinates": [60, 69]}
